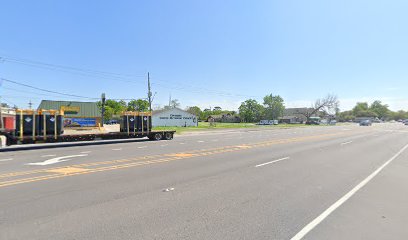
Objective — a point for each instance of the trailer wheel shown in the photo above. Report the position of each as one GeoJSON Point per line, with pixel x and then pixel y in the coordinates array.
{"type": "Point", "coordinates": [168, 136]}
{"type": "Point", "coordinates": [158, 136]}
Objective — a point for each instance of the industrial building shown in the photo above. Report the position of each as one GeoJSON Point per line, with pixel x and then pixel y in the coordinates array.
{"type": "Point", "coordinates": [76, 114]}
{"type": "Point", "coordinates": [174, 117]}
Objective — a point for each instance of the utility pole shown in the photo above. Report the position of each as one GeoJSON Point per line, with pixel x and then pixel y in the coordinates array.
{"type": "Point", "coordinates": [1, 110]}
{"type": "Point", "coordinates": [30, 105]}
{"type": "Point", "coordinates": [149, 92]}
{"type": "Point", "coordinates": [103, 98]}
{"type": "Point", "coordinates": [1, 115]}
{"type": "Point", "coordinates": [170, 100]}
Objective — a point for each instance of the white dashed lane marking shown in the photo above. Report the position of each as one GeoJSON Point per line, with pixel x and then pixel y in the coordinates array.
{"type": "Point", "coordinates": [117, 149]}
{"type": "Point", "coordinates": [6, 159]}
{"type": "Point", "coordinates": [274, 161]}
{"type": "Point", "coordinates": [345, 143]}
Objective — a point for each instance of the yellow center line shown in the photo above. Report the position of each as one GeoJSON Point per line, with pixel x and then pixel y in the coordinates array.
{"type": "Point", "coordinates": [79, 169]}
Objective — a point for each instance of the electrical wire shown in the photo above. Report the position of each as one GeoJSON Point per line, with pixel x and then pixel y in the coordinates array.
{"type": "Point", "coordinates": [42, 94]}
{"type": "Point", "coordinates": [29, 92]}
{"type": "Point", "coordinates": [44, 90]}
{"type": "Point", "coordinates": [122, 77]}
{"type": "Point", "coordinates": [69, 68]}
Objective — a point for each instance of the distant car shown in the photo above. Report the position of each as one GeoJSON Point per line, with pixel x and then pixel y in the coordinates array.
{"type": "Point", "coordinates": [333, 122]}
{"type": "Point", "coordinates": [111, 122]}
{"type": "Point", "coordinates": [312, 121]}
{"type": "Point", "coordinates": [268, 122]}
{"type": "Point", "coordinates": [406, 123]}
{"type": "Point", "coordinates": [365, 123]}
{"type": "Point", "coordinates": [73, 124]}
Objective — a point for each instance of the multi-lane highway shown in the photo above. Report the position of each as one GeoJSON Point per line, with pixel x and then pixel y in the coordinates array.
{"type": "Point", "coordinates": [336, 182]}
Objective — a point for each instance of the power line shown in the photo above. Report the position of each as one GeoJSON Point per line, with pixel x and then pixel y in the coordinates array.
{"type": "Point", "coordinates": [70, 68]}
{"type": "Point", "coordinates": [29, 92]}
{"type": "Point", "coordinates": [42, 94]}
{"type": "Point", "coordinates": [44, 90]}
{"type": "Point", "coordinates": [75, 70]}
{"type": "Point", "coordinates": [121, 77]}
{"type": "Point", "coordinates": [202, 90]}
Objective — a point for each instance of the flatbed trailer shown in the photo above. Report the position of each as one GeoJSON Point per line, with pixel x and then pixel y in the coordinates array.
{"type": "Point", "coordinates": [11, 139]}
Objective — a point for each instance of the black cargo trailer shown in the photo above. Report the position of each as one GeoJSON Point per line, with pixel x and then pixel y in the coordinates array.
{"type": "Point", "coordinates": [136, 122]}
{"type": "Point", "coordinates": [27, 123]}
{"type": "Point", "coordinates": [33, 124]}
{"type": "Point", "coordinates": [49, 128]}
{"type": "Point", "coordinates": [51, 124]}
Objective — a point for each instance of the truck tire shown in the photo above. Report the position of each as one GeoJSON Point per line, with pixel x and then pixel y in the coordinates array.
{"type": "Point", "coordinates": [168, 136]}
{"type": "Point", "coordinates": [157, 136]}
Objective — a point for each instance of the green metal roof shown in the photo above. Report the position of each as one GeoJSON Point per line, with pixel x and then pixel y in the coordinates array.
{"type": "Point", "coordinates": [86, 109]}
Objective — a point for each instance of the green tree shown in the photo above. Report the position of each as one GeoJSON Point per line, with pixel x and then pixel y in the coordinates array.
{"type": "Point", "coordinates": [250, 111]}
{"type": "Point", "coordinates": [140, 105]}
{"type": "Point", "coordinates": [345, 116]}
{"type": "Point", "coordinates": [399, 115]}
{"type": "Point", "coordinates": [274, 106]}
{"type": "Point", "coordinates": [366, 113]}
{"type": "Point", "coordinates": [381, 110]}
{"type": "Point", "coordinates": [112, 107]}
{"type": "Point", "coordinates": [194, 110]}
{"type": "Point", "coordinates": [109, 112]}
{"type": "Point", "coordinates": [174, 103]}
{"type": "Point", "coordinates": [360, 107]}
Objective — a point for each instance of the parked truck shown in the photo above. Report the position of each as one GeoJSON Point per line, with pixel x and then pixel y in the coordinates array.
{"type": "Point", "coordinates": [45, 126]}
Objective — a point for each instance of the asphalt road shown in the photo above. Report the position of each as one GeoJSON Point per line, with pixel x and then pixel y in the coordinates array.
{"type": "Point", "coordinates": [337, 182]}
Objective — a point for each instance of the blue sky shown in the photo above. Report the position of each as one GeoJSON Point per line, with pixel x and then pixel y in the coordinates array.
{"type": "Point", "coordinates": [207, 53]}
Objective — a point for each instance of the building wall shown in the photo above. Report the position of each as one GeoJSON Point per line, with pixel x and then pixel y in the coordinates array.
{"type": "Point", "coordinates": [86, 109]}
{"type": "Point", "coordinates": [82, 121]}
{"type": "Point", "coordinates": [174, 118]}
{"type": "Point", "coordinates": [296, 114]}
{"type": "Point", "coordinates": [86, 114]}
{"type": "Point", "coordinates": [9, 118]}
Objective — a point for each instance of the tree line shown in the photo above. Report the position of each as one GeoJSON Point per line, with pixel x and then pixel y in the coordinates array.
{"type": "Point", "coordinates": [114, 108]}
{"type": "Point", "coordinates": [249, 111]}
{"type": "Point", "coordinates": [272, 107]}
{"type": "Point", "coordinates": [374, 110]}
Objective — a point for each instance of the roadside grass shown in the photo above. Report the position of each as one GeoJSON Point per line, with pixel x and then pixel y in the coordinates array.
{"type": "Point", "coordinates": [203, 126]}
